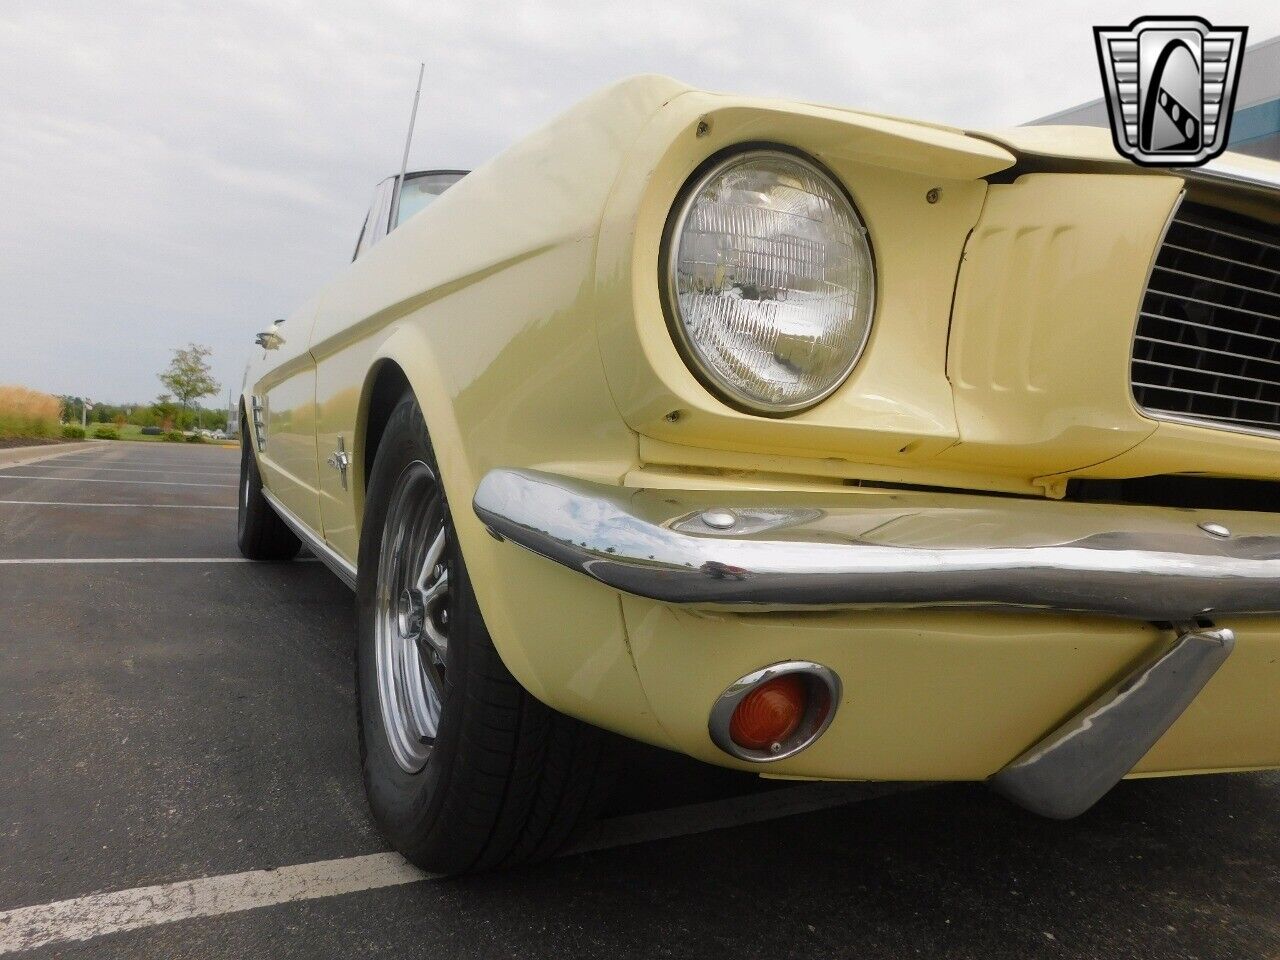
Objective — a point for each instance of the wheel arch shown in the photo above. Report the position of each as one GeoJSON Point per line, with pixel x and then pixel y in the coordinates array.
{"type": "Point", "coordinates": [406, 361]}
{"type": "Point", "coordinates": [384, 386]}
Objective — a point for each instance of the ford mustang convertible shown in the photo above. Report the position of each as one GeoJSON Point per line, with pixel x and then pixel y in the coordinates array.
{"type": "Point", "coordinates": [798, 440]}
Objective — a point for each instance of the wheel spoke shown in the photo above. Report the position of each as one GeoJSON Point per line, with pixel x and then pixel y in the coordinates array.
{"type": "Point", "coordinates": [422, 702]}
{"type": "Point", "coordinates": [438, 591]}
{"type": "Point", "coordinates": [431, 569]}
{"type": "Point", "coordinates": [411, 616]}
{"type": "Point", "coordinates": [431, 674]}
{"type": "Point", "coordinates": [435, 638]}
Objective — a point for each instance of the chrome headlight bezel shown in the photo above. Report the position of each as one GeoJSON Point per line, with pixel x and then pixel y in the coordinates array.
{"type": "Point", "coordinates": [669, 252]}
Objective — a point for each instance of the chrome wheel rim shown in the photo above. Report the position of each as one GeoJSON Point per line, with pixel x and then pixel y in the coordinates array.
{"type": "Point", "coordinates": [411, 616]}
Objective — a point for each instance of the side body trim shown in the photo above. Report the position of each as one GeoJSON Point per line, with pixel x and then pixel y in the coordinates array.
{"type": "Point", "coordinates": [343, 570]}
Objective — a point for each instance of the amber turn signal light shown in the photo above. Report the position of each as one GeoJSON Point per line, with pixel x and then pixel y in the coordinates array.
{"type": "Point", "coordinates": [770, 714]}
{"type": "Point", "coordinates": [774, 712]}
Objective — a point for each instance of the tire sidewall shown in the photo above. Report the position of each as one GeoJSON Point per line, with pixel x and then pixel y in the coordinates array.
{"type": "Point", "coordinates": [406, 805]}
{"type": "Point", "coordinates": [249, 484]}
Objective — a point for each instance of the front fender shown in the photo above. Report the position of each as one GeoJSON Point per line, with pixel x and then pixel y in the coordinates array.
{"type": "Point", "coordinates": [525, 387]}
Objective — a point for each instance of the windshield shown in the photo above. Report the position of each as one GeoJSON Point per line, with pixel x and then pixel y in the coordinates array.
{"type": "Point", "coordinates": [420, 189]}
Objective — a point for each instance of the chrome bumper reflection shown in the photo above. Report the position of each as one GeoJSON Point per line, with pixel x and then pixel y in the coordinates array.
{"type": "Point", "coordinates": [876, 548]}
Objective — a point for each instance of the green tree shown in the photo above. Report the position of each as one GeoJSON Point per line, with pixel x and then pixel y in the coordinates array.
{"type": "Point", "coordinates": [188, 376]}
{"type": "Point", "coordinates": [165, 412]}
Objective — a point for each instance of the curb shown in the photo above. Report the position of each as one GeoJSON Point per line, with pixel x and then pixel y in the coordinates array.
{"type": "Point", "coordinates": [19, 456]}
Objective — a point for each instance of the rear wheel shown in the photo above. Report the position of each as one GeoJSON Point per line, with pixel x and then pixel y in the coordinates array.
{"type": "Point", "coordinates": [260, 533]}
{"type": "Point", "coordinates": [464, 770]}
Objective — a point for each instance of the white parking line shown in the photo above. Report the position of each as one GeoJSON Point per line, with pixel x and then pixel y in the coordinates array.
{"type": "Point", "coordinates": [139, 506]}
{"type": "Point", "coordinates": [86, 466]}
{"type": "Point", "coordinates": [154, 453]}
{"type": "Point", "coordinates": [146, 462]}
{"type": "Point", "coordinates": [103, 913]}
{"type": "Point", "coordinates": [150, 465]}
{"type": "Point", "coordinates": [99, 914]}
{"type": "Point", "coordinates": [72, 561]}
{"type": "Point", "coordinates": [93, 456]}
{"type": "Point", "coordinates": [157, 483]}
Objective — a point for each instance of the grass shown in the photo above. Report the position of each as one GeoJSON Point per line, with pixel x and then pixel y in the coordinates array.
{"type": "Point", "coordinates": [28, 413]}
{"type": "Point", "coordinates": [131, 431]}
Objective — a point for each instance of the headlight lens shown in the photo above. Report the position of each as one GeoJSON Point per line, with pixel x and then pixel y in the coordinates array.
{"type": "Point", "coordinates": [770, 281]}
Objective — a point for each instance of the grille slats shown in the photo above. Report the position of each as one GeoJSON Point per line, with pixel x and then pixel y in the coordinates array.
{"type": "Point", "coordinates": [1261, 243]}
{"type": "Point", "coordinates": [1203, 373]}
{"type": "Point", "coordinates": [1218, 256]}
{"type": "Point", "coordinates": [1152, 291]}
{"type": "Point", "coordinates": [1225, 353]}
{"type": "Point", "coordinates": [1224, 283]}
{"type": "Point", "coordinates": [1207, 346]}
{"type": "Point", "coordinates": [1216, 395]}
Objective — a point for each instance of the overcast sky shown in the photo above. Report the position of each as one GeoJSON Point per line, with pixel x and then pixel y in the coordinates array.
{"type": "Point", "coordinates": [172, 172]}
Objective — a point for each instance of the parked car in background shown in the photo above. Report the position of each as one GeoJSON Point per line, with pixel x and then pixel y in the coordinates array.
{"type": "Point", "coordinates": [798, 440]}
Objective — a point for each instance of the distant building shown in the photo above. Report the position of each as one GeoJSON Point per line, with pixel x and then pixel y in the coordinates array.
{"type": "Point", "coordinates": [1255, 127]}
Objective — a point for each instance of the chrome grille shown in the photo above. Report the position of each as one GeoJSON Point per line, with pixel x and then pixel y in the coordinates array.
{"type": "Point", "coordinates": [1208, 340]}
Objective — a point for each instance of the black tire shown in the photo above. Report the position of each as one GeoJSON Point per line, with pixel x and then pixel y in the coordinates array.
{"type": "Point", "coordinates": [260, 533]}
{"type": "Point", "coordinates": [507, 778]}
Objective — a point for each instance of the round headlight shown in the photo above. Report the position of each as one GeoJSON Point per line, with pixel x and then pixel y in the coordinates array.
{"type": "Point", "coordinates": [770, 281]}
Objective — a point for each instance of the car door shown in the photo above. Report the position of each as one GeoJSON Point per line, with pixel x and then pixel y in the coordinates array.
{"type": "Point", "coordinates": [285, 393]}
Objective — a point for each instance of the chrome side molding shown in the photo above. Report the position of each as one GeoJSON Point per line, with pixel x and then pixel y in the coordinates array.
{"type": "Point", "coordinates": [879, 548]}
{"type": "Point", "coordinates": [344, 571]}
{"type": "Point", "coordinates": [1069, 770]}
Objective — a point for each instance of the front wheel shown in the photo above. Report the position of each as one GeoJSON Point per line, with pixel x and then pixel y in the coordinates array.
{"type": "Point", "coordinates": [464, 770]}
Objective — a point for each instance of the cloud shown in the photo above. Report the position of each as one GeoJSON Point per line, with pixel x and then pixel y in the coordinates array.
{"type": "Point", "coordinates": [189, 171]}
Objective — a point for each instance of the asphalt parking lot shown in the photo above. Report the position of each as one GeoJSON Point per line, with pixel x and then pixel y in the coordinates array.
{"type": "Point", "coordinates": [180, 770]}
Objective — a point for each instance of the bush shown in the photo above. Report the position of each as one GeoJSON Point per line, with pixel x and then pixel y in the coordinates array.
{"type": "Point", "coordinates": [28, 413]}
{"type": "Point", "coordinates": [73, 433]}
{"type": "Point", "coordinates": [174, 436]}
{"type": "Point", "coordinates": [195, 438]}
{"type": "Point", "coordinates": [106, 433]}
{"type": "Point", "coordinates": [151, 431]}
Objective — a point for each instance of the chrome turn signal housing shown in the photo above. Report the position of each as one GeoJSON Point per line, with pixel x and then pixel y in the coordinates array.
{"type": "Point", "coordinates": [775, 712]}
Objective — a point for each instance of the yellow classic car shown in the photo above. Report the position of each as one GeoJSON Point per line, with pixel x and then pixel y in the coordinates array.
{"type": "Point", "coordinates": [795, 439]}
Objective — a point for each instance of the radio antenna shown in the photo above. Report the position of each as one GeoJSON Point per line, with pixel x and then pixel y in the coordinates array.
{"type": "Point", "coordinates": [404, 162]}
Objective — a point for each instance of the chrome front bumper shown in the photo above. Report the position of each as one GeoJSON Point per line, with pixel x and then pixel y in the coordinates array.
{"type": "Point", "coordinates": [880, 548]}
{"type": "Point", "coordinates": [871, 548]}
